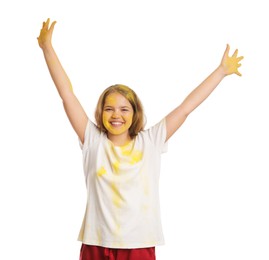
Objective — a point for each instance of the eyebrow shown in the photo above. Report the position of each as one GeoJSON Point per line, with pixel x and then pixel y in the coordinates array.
{"type": "Point", "coordinates": [108, 106]}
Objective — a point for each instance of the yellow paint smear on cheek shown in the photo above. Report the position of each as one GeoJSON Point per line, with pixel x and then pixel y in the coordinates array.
{"type": "Point", "coordinates": [113, 130]}
{"type": "Point", "coordinates": [101, 172]}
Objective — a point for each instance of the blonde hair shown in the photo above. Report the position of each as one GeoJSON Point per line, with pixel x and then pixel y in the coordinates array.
{"type": "Point", "coordinates": [130, 95]}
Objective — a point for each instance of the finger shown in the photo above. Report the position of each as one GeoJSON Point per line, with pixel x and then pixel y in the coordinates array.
{"type": "Point", "coordinates": [240, 58]}
{"type": "Point", "coordinates": [226, 52]}
{"type": "Point", "coordinates": [47, 23]}
{"type": "Point", "coordinates": [52, 26]}
{"type": "Point", "coordinates": [238, 73]}
{"type": "Point", "coordinates": [235, 53]}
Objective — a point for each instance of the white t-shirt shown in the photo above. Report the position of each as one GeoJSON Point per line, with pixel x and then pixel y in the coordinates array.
{"type": "Point", "coordinates": [123, 209]}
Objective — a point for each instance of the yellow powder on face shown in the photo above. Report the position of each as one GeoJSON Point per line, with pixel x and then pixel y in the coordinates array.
{"type": "Point", "coordinates": [117, 130]}
{"type": "Point", "coordinates": [111, 100]}
{"type": "Point", "coordinates": [113, 110]}
{"type": "Point", "coordinates": [101, 172]}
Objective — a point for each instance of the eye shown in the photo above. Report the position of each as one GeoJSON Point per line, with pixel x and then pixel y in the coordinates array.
{"type": "Point", "coordinates": [108, 109]}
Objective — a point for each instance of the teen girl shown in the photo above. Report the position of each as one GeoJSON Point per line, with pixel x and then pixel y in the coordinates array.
{"type": "Point", "coordinates": [122, 160]}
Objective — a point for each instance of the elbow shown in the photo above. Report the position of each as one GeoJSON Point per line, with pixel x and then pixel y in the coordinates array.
{"type": "Point", "coordinates": [185, 112]}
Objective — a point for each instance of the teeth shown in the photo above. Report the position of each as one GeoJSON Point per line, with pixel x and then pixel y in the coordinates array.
{"type": "Point", "coordinates": [116, 123]}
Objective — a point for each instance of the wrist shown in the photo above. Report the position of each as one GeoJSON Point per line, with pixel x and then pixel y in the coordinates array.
{"type": "Point", "coordinates": [46, 47]}
{"type": "Point", "coordinates": [221, 71]}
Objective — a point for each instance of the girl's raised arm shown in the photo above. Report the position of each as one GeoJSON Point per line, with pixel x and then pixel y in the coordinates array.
{"type": "Point", "coordinates": [73, 108]}
{"type": "Point", "coordinates": [228, 66]}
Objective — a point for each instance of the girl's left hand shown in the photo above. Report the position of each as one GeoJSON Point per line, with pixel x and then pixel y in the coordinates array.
{"type": "Point", "coordinates": [231, 64]}
{"type": "Point", "coordinates": [44, 38]}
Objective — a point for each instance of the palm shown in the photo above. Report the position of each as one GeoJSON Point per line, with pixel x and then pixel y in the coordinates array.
{"type": "Point", "coordinates": [45, 33]}
{"type": "Point", "coordinates": [231, 64]}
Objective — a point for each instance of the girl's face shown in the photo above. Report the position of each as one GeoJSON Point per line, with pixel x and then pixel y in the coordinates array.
{"type": "Point", "coordinates": [117, 115]}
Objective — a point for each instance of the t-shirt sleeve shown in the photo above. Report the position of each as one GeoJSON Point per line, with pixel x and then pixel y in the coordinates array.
{"type": "Point", "coordinates": [91, 133]}
{"type": "Point", "coordinates": [157, 134]}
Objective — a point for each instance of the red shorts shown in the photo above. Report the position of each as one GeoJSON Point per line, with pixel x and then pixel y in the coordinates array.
{"type": "Point", "coordinates": [89, 252]}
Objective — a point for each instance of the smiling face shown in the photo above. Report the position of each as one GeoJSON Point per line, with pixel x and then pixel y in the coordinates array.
{"type": "Point", "coordinates": [117, 117]}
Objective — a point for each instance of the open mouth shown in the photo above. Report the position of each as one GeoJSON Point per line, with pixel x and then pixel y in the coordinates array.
{"type": "Point", "coordinates": [116, 123]}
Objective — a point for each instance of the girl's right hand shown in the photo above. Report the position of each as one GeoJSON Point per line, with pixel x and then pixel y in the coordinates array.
{"type": "Point", "coordinates": [44, 38]}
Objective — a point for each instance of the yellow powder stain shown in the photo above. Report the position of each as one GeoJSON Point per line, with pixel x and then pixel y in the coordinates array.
{"type": "Point", "coordinates": [71, 87]}
{"type": "Point", "coordinates": [116, 166]}
{"type": "Point", "coordinates": [126, 151]}
{"type": "Point", "coordinates": [116, 197]}
{"type": "Point", "coordinates": [111, 100]}
{"type": "Point", "coordinates": [117, 230]}
{"type": "Point", "coordinates": [101, 171]}
{"type": "Point", "coordinates": [136, 156]}
{"type": "Point", "coordinates": [99, 236]}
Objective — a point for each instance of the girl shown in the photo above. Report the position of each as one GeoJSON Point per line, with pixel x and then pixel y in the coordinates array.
{"type": "Point", "coordinates": [122, 161]}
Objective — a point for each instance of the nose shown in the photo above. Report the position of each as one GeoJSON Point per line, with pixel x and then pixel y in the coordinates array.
{"type": "Point", "coordinates": [115, 114]}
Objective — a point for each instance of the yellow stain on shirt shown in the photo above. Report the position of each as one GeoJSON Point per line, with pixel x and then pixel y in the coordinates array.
{"type": "Point", "coordinates": [99, 236]}
{"type": "Point", "coordinates": [136, 156]}
{"type": "Point", "coordinates": [117, 230]}
{"type": "Point", "coordinates": [126, 150]}
{"type": "Point", "coordinates": [116, 166]}
{"type": "Point", "coordinates": [101, 171]}
{"type": "Point", "coordinates": [116, 197]}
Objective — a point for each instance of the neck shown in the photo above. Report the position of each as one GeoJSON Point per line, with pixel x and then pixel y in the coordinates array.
{"type": "Point", "coordinates": [119, 140]}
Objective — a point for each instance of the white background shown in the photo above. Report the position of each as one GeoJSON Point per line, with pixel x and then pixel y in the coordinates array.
{"type": "Point", "coordinates": [214, 181]}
